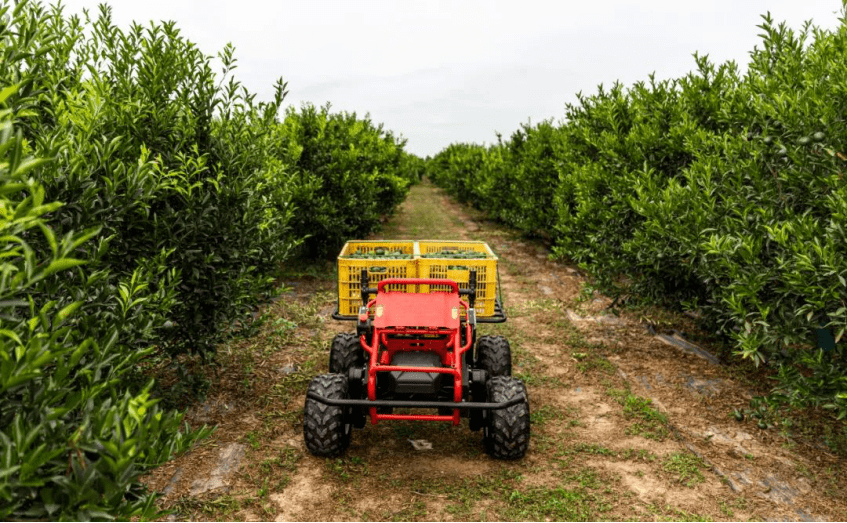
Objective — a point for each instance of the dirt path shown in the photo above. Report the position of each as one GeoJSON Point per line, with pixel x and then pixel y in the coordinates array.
{"type": "Point", "coordinates": [625, 425]}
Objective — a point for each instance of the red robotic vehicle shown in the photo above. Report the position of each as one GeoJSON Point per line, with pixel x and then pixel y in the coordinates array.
{"type": "Point", "coordinates": [418, 351]}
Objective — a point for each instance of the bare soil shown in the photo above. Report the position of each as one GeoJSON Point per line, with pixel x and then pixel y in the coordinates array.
{"type": "Point", "coordinates": [625, 425]}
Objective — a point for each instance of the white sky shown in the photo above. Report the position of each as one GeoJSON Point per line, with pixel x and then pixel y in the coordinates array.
{"type": "Point", "coordinates": [440, 72]}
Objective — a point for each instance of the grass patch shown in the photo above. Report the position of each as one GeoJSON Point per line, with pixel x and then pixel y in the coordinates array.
{"type": "Point", "coordinates": [221, 508]}
{"type": "Point", "coordinates": [588, 361]}
{"type": "Point", "coordinates": [575, 498]}
{"type": "Point", "coordinates": [649, 422]}
{"type": "Point", "coordinates": [254, 440]}
{"type": "Point", "coordinates": [686, 467]}
{"type": "Point", "coordinates": [540, 504]}
{"type": "Point", "coordinates": [347, 468]}
{"type": "Point", "coordinates": [629, 454]}
{"type": "Point", "coordinates": [591, 448]}
{"type": "Point", "coordinates": [540, 416]}
{"type": "Point", "coordinates": [639, 455]}
{"type": "Point", "coordinates": [585, 477]}
{"type": "Point", "coordinates": [462, 496]}
{"type": "Point", "coordinates": [412, 512]}
{"type": "Point", "coordinates": [728, 508]}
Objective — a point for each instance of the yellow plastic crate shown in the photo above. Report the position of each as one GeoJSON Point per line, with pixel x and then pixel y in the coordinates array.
{"type": "Point", "coordinates": [350, 271]}
{"type": "Point", "coordinates": [458, 270]}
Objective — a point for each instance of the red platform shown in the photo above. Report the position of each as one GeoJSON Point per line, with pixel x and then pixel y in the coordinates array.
{"type": "Point", "coordinates": [400, 309]}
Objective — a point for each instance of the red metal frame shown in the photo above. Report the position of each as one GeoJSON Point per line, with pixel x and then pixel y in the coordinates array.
{"type": "Point", "coordinates": [416, 281]}
{"type": "Point", "coordinates": [407, 336]}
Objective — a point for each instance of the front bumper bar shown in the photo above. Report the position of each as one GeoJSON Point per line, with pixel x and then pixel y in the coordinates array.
{"type": "Point", "coordinates": [462, 405]}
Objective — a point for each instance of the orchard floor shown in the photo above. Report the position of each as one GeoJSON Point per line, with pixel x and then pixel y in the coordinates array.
{"type": "Point", "coordinates": [624, 425]}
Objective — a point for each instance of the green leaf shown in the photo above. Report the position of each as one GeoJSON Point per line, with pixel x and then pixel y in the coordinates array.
{"type": "Point", "coordinates": [17, 379]}
{"type": "Point", "coordinates": [51, 238]}
{"type": "Point", "coordinates": [9, 188]}
{"type": "Point", "coordinates": [6, 472]}
{"type": "Point", "coordinates": [61, 265]}
{"type": "Point", "coordinates": [68, 310]}
{"type": "Point", "coordinates": [28, 165]}
{"type": "Point", "coordinates": [11, 335]}
{"type": "Point", "coordinates": [7, 92]}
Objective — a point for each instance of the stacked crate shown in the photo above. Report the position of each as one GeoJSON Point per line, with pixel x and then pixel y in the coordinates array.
{"type": "Point", "coordinates": [452, 260]}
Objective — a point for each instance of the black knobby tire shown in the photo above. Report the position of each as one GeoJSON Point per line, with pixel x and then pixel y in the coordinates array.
{"type": "Point", "coordinates": [506, 433]}
{"type": "Point", "coordinates": [324, 428]}
{"type": "Point", "coordinates": [346, 352]}
{"type": "Point", "coordinates": [494, 355]}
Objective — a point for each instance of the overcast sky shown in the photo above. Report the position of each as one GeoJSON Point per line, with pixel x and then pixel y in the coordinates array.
{"type": "Point", "coordinates": [443, 72]}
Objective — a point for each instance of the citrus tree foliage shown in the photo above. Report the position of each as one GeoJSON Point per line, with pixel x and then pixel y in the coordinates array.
{"type": "Point", "coordinates": [352, 173]}
{"type": "Point", "coordinates": [165, 158]}
{"type": "Point", "coordinates": [721, 192]}
{"type": "Point", "coordinates": [73, 439]}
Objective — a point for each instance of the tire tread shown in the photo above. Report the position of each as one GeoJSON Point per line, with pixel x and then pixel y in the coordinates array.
{"type": "Point", "coordinates": [508, 431]}
{"type": "Point", "coordinates": [494, 355]}
{"type": "Point", "coordinates": [324, 427]}
{"type": "Point", "coordinates": [345, 352]}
